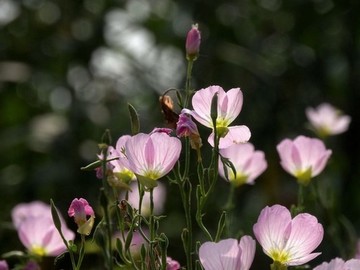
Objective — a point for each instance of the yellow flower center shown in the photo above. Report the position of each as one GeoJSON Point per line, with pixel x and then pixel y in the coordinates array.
{"type": "Point", "coordinates": [240, 179]}
{"type": "Point", "coordinates": [153, 174]}
{"type": "Point", "coordinates": [303, 176]}
{"type": "Point", "coordinates": [38, 250]}
{"type": "Point", "coordinates": [280, 256]}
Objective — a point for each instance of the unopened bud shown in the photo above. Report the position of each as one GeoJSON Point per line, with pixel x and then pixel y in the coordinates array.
{"type": "Point", "coordinates": [193, 40]}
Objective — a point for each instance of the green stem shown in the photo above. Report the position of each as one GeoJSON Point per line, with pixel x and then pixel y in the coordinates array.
{"type": "Point", "coordinates": [152, 231]}
{"type": "Point", "coordinates": [188, 82]}
{"type": "Point", "coordinates": [278, 266]}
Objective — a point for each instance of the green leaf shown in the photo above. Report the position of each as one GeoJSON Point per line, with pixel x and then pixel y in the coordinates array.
{"type": "Point", "coordinates": [134, 119]}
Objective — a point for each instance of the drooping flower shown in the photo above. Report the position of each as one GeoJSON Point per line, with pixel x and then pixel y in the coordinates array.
{"type": "Point", "coordinates": [193, 40]}
{"type": "Point", "coordinates": [229, 105]}
{"type": "Point", "coordinates": [152, 155]}
{"type": "Point", "coordinates": [228, 254]}
{"type": "Point", "coordinates": [248, 163]}
{"type": "Point", "coordinates": [339, 264]}
{"type": "Point", "coordinates": [288, 241]}
{"type": "Point", "coordinates": [303, 157]}
{"type": "Point", "coordinates": [41, 238]}
{"type": "Point", "coordinates": [80, 209]}
{"type": "Point", "coordinates": [159, 196]}
{"type": "Point", "coordinates": [327, 120]}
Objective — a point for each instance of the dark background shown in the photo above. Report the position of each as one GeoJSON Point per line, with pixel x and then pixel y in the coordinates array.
{"type": "Point", "coordinates": [69, 68]}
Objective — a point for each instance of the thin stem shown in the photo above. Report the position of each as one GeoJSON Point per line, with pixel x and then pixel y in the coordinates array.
{"type": "Point", "coordinates": [188, 82]}
{"type": "Point", "coordinates": [152, 230]}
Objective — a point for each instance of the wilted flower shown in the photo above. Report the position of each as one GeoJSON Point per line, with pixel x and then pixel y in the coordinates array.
{"type": "Point", "coordinates": [303, 157]}
{"type": "Point", "coordinates": [288, 241]}
{"type": "Point", "coordinates": [228, 108]}
{"type": "Point", "coordinates": [40, 237]}
{"type": "Point", "coordinates": [228, 254]}
{"type": "Point", "coordinates": [159, 196]}
{"type": "Point", "coordinates": [327, 120]}
{"type": "Point", "coordinates": [339, 264]}
{"type": "Point", "coordinates": [80, 209]}
{"type": "Point", "coordinates": [193, 40]}
{"type": "Point", "coordinates": [4, 265]}
{"type": "Point", "coordinates": [248, 163]}
{"type": "Point", "coordinates": [152, 155]}
{"type": "Point", "coordinates": [172, 264]}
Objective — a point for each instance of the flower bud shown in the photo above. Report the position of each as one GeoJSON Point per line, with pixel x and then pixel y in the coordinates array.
{"type": "Point", "coordinates": [193, 40]}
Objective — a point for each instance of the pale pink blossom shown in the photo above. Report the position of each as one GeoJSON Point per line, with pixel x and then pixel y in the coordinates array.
{"type": "Point", "coordinates": [229, 105]}
{"type": "Point", "coordinates": [327, 120]}
{"type": "Point", "coordinates": [172, 264]}
{"type": "Point", "coordinates": [288, 241]}
{"type": "Point", "coordinates": [248, 163]}
{"type": "Point", "coordinates": [339, 264]}
{"type": "Point", "coordinates": [303, 157]}
{"type": "Point", "coordinates": [152, 155]}
{"type": "Point", "coordinates": [83, 215]}
{"type": "Point", "coordinates": [193, 40]}
{"type": "Point", "coordinates": [159, 196]}
{"type": "Point", "coordinates": [228, 254]}
{"type": "Point", "coordinates": [22, 211]}
{"type": "Point", "coordinates": [40, 237]}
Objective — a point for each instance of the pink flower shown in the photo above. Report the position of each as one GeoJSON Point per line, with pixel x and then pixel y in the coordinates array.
{"type": "Point", "coordinates": [172, 264]}
{"type": "Point", "coordinates": [327, 120]}
{"type": "Point", "coordinates": [152, 155]}
{"type": "Point", "coordinates": [80, 209]}
{"type": "Point", "coordinates": [339, 264]}
{"type": "Point", "coordinates": [288, 241]}
{"type": "Point", "coordinates": [249, 164]}
{"type": "Point", "coordinates": [22, 211]}
{"type": "Point", "coordinates": [40, 237]}
{"type": "Point", "coordinates": [36, 229]}
{"type": "Point", "coordinates": [4, 265]}
{"type": "Point", "coordinates": [228, 108]}
{"type": "Point", "coordinates": [193, 40]}
{"type": "Point", "coordinates": [120, 165]}
{"type": "Point", "coordinates": [303, 157]}
{"type": "Point", "coordinates": [185, 126]}
{"type": "Point", "coordinates": [228, 254]}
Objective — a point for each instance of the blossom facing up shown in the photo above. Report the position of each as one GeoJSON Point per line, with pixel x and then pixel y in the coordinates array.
{"type": "Point", "coordinates": [159, 196]}
{"type": "Point", "coordinates": [36, 229]}
{"type": "Point", "coordinates": [303, 157]}
{"type": "Point", "coordinates": [229, 105]}
{"type": "Point", "coordinates": [327, 120]}
{"type": "Point", "coordinates": [248, 163]}
{"type": "Point", "coordinates": [288, 241]}
{"type": "Point", "coordinates": [339, 264]}
{"type": "Point", "coordinates": [172, 264]}
{"type": "Point", "coordinates": [80, 209]}
{"type": "Point", "coordinates": [152, 155]}
{"type": "Point", "coordinates": [228, 254]}
{"type": "Point", "coordinates": [192, 45]}
{"type": "Point", "coordinates": [41, 238]}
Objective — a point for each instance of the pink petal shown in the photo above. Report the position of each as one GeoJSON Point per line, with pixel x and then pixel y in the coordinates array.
{"type": "Point", "coordinates": [224, 255]}
{"type": "Point", "coordinates": [334, 264]}
{"type": "Point", "coordinates": [235, 135]}
{"type": "Point", "coordinates": [247, 246]}
{"type": "Point", "coordinates": [234, 100]}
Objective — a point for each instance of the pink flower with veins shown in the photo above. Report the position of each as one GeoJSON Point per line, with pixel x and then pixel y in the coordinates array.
{"type": "Point", "coordinates": [339, 264]}
{"type": "Point", "coordinates": [249, 164]}
{"type": "Point", "coordinates": [152, 155]}
{"type": "Point", "coordinates": [303, 157]}
{"type": "Point", "coordinates": [288, 241]}
{"type": "Point", "coordinates": [228, 254]}
{"type": "Point", "coordinates": [229, 106]}
{"type": "Point", "coordinates": [327, 120]}
{"type": "Point", "coordinates": [80, 209]}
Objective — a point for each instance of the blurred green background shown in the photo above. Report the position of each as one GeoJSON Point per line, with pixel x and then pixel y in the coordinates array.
{"type": "Point", "coordinates": [69, 68]}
